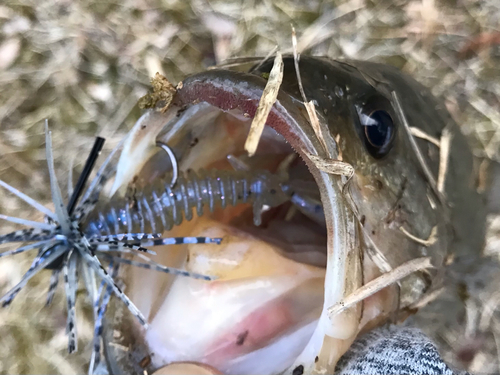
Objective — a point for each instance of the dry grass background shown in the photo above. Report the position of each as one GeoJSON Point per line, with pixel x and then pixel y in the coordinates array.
{"type": "Point", "coordinates": [84, 64]}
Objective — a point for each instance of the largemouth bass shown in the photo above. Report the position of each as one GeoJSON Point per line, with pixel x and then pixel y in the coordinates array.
{"type": "Point", "coordinates": [293, 251]}
{"type": "Point", "coordinates": [391, 212]}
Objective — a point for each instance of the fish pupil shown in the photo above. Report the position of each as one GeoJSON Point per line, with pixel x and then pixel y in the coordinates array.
{"type": "Point", "coordinates": [379, 131]}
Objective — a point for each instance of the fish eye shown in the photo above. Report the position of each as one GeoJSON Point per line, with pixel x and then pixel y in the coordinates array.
{"type": "Point", "coordinates": [377, 131]}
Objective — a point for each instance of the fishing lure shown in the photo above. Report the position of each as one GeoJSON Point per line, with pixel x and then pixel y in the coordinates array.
{"type": "Point", "coordinates": [62, 245]}
{"type": "Point", "coordinates": [161, 207]}
{"type": "Point", "coordinates": [68, 238]}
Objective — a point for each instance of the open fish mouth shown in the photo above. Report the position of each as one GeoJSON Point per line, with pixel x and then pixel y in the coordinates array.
{"type": "Point", "coordinates": [328, 229]}
{"type": "Point", "coordinates": [266, 311]}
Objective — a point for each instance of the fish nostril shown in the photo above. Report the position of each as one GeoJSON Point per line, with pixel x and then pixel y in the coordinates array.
{"type": "Point", "coordinates": [374, 185]}
{"type": "Point", "coordinates": [378, 184]}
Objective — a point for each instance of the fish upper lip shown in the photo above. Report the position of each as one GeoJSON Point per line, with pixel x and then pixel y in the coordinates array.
{"type": "Point", "coordinates": [230, 90]}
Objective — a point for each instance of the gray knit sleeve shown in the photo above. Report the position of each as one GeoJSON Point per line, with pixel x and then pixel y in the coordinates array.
{"type": "Point", "coordinates": [393, 350]}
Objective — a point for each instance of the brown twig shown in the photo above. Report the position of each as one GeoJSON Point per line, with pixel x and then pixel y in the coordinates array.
{"type": "Point", "coordinates": [269, 96]}
{"type": "Point", "coordinates": [380, 283]}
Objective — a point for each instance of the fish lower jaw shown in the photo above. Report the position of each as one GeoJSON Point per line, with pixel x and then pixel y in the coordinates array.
{"type": "Point", "coordinates": [261, 316]}
{"type": "Point", "coordinates": [272, 359]}
{"type": "Point", "coordinates": [252, 314]}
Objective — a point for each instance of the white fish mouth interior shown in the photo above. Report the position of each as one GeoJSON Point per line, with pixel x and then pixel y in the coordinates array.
{"type": "Point", "coordinates": [260, 313]}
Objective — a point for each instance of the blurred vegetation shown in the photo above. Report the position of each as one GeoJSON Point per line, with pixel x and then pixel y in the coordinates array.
{"type": "Point", "coordinates": [84, 64]}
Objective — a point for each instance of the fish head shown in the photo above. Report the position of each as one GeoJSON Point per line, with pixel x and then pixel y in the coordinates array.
{"type": "Point", "coordinates": [389, 212]}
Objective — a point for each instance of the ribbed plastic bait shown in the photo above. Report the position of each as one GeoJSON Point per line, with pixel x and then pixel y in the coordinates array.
{"type": "Point", "coordinates": [159, 208]}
